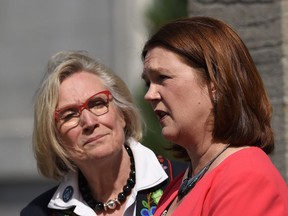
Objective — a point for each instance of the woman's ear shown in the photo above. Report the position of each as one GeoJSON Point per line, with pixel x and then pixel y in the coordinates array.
{"type": "Point", "coordinates": [213, 92]}
{"type": "Point", "coordinates": [122, 119]}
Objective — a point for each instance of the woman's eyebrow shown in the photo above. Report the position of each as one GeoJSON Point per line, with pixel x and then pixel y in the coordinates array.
{"type": "Point", "coordinates": [154, 70]}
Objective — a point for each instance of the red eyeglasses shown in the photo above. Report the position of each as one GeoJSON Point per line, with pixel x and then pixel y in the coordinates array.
{"type": "Point", "coordinates": [69, 116]}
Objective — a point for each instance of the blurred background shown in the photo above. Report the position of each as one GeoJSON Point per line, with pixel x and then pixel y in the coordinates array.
{"type": "Point", "coordinates": [115, 31]}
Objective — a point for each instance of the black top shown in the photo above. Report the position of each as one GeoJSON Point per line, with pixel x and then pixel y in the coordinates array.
{"type": "Point", "coordinates": [38, 206]}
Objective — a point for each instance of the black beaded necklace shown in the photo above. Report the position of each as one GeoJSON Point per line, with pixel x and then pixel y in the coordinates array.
{"type": "Point", "coordinates": [110, 204]}
{"type": "Point", "coordinates": [189, 183]}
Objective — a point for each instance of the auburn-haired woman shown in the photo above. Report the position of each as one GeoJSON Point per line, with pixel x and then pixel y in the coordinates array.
{"type": "Point", "coordinates": [210, 100]}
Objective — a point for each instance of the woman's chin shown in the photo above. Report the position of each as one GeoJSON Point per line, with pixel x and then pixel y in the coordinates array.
{"type": "Point", "coordinates": [169, 134]}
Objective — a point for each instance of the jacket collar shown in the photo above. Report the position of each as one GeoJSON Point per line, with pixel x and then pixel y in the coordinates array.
{"type": "Point", "coordinates": [149, 173]}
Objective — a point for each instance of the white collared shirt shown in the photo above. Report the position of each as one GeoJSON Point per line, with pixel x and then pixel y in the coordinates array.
{"type": "Point", "coordinates": [149, 173]}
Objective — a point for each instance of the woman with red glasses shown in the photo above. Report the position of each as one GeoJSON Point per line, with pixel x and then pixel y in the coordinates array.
{"type": "Point", "coordinates": [86, 136]}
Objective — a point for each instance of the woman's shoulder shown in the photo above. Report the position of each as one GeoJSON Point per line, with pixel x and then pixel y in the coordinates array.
{"type": "Point", "coordinates": [249, 158]}
{"type": "Point", "coordinates": [248, 179]}
{"type": "Point", "coordinates": [38, 206]}
{"type": "Point", "coordinates": [250, 164]}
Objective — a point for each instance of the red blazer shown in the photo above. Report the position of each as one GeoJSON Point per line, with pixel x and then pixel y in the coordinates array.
{"type": "Point", "coordinates": [246, 183]}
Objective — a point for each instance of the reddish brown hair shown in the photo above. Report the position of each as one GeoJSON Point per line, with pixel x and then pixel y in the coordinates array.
{"type": "Point", "coordinates": [242, 110]}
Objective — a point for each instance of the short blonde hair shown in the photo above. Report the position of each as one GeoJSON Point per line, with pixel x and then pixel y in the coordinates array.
{"type": "Point", "coordinates": [52, 159]}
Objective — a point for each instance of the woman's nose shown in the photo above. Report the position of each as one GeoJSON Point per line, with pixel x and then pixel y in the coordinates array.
{"type": "Point", "coordinates": [88, 121]}
{"type": "Point", "coordinates": [152, 94]}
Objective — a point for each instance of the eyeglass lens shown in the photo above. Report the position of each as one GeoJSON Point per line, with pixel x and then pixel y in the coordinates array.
{"type": "Point", "coordinates": [98, 104]}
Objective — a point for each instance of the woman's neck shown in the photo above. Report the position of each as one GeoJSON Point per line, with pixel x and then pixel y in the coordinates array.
{"type": "Point", "coordinates": [200, 157]}
{"type": "Point", "coordinates": [107, 177]}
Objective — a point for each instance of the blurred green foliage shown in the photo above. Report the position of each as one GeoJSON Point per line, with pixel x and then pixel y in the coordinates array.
{"type": "Point", "coordinates": [157, 14]}
{"type": "Point", "coordinates": [163, 11]}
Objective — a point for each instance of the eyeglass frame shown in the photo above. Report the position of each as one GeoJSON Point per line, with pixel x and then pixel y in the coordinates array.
{"type": "Point", "coordinates": [83, 106]}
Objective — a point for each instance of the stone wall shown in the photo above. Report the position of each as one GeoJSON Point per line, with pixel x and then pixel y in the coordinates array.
{"type": "Point", "coordinates": [262, 24]}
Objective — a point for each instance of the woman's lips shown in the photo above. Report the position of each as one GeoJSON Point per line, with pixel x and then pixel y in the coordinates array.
{"type": "Point", "coordinates": [160, 114]}
{"type": "Point", "coordinates": [95, 138]}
